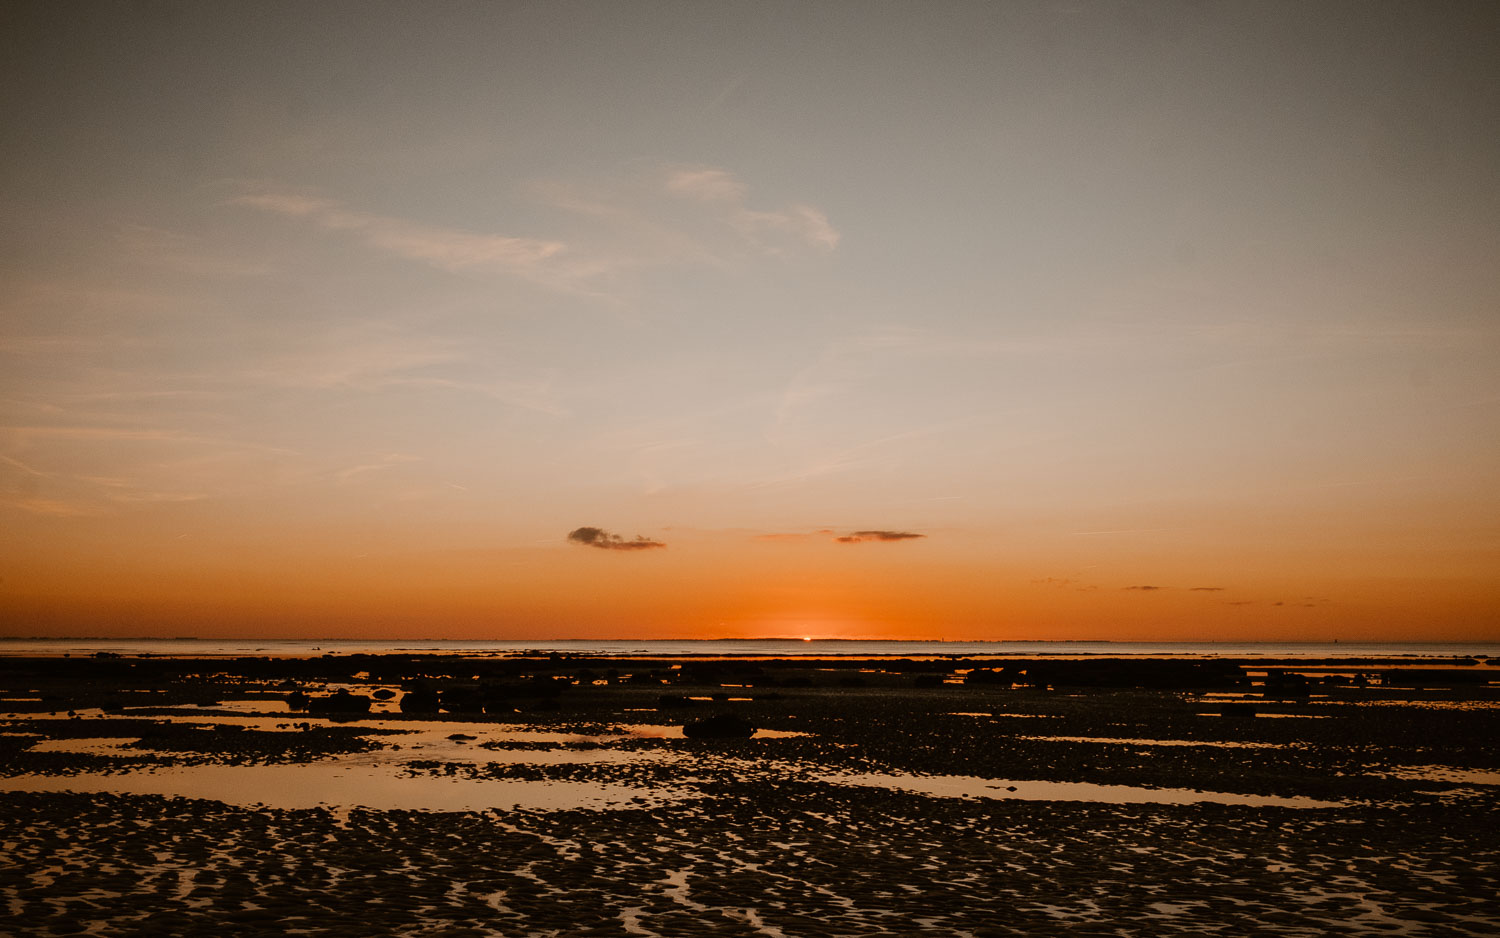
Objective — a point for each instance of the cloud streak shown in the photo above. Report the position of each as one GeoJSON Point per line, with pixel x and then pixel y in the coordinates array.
{"type": "Point", "coordinates": [445, 248]}
{"type": "Point", "coordinates": [861, 536]}
{"type": "Point", "coordinates": [604, 540]}
{"type": "Point", "coordinates": [722, 191]}
{"type": "Point", "coordinates": [629, 228]}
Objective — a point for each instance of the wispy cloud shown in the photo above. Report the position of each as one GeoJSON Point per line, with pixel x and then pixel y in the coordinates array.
{"type": "Point", "coordinates": [79, 470]}
{"type": "Point", "coordinates": [604, 540]}
{"type": "Point", "coordinates": [363, 356]}
{"type": "Point", "coordinates": [51, 507]}
{"type": "Point", "coordinates": [626, 225]}
{"type": "Point", "coordinates": [372, 356]}
{"type": "Point", "coordinates": [385, 462]}
{"type": "Point", "coordinates": [445, 248]}
{"type": "Point", "coordinates": [860, 536]}
{"type": "Point", "coordinates": [1147, 589]}
{"type": "Point", "coordinates": [773, 230]}
{"type": "Point", "coordinates": [94, 433]}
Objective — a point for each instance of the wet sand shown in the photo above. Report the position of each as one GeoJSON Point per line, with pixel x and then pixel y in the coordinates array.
{"type": "Point", "coordinates": [764, 836]}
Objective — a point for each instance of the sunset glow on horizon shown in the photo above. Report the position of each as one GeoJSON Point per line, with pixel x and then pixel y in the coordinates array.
{"type": "Point", "coordinates": [1038, 321]}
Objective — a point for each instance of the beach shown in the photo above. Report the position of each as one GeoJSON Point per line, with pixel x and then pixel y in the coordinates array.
{"type": "Point", "coordinates": [876, 797]}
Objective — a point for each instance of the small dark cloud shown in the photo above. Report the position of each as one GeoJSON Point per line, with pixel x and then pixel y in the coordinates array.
{"type": "Point", "coordinates": [1206, 589]}
{"type": "Point", "coordinates": [602, 539]}
{"type": "Point", "coordinates": [1243, 602]}
{"type": "Point", "coordinates": [1148, 589]}
{"type": "Point", "coordinates": [859, 536]}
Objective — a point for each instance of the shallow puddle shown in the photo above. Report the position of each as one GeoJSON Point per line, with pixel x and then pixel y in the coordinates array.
{"type": "Point", "coordinates": [93, 746]}
{"type": "Point", "coordinates": [378, 779]}
{"type": "Point", "coordinates": [1018, 716]}
{"type": "Point", "coordinates": [1268, 716]}
{"type": "Point", "coordinates": [648, 731]}
{"type": "Point", "coordinates": [263, 705]}
{"type": "Point", "coordinates": [1163, 742]}
{"type": "Point", "coordinates": [1418, 704]}
{"type": "Point", "coordinates": [969, 786]}
{"type": "Point", "coordinates": [482, 731]}
{"type": "Point", "coordinates": [1444, 773]}
{"type": "Point", "coordinates": [332, 784]}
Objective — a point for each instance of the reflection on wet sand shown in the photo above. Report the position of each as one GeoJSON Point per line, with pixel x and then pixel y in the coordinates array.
{"type": "Point", "coordinates": [372, 779]}
{"type": "Point", "coordinates": [348, 785]}
{"type": "Point", "coordinates": [907, 806]}
{"type": "Point", "coordinates": [1230, 743]}
{"type": "Point", "coordinates": [959, 786]}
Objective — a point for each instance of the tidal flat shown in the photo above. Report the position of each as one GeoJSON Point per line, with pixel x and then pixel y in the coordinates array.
{"type": "Point", "coordinates": [560, 796]}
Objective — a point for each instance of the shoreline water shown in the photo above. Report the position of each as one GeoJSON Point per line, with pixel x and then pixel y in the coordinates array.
{"type": "Point", "coordinates": [563, 797]}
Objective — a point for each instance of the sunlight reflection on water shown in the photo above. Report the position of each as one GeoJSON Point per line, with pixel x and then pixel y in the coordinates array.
{"type": "Point", "coordinates": [1227, 743]}
{"type": "Point", "coordinates": [969, 786]}
{"type": "Point", "coordinates": [379, 779]}
{"type": "Point", "coordinates": [340, 784]}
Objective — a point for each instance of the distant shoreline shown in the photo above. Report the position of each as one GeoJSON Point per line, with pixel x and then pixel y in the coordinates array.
{"type": "Point", "coordinates": [12, 647]}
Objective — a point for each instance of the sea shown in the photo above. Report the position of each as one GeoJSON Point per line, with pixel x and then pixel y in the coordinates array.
{"type": "Point", "coordinates": [736, 647]}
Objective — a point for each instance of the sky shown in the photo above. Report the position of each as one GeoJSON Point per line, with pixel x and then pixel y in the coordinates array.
{"type": "Point", "coordinates": [1025, 320]}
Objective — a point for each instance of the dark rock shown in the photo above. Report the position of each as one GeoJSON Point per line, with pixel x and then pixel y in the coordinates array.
{"type": "Point", "coordinates": [463, 700]}
{"type": "Point", "coordinates": [1163, 674]}
{"type": "Point", "coordinates": [341, 702]}
{"type": "Point", "coordinates": [724, 726]}
{"type": "Point", "coordinates": [420, 701]}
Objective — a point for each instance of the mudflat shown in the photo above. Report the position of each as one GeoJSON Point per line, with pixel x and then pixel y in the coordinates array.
{"type": "Point", "coordinates": [561, 796]}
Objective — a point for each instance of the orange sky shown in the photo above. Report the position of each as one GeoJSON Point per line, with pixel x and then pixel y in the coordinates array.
{"type": "Point", "coordinates": [320, 325]}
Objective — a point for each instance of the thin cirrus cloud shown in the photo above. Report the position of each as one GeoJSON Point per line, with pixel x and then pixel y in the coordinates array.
{"type": "Point", "coordinates": [728, 196]}
{"type": "Point", "coordinates": [373, 357]}
{"type": "Point", "coordinates": [861, 536]}
{"type": "Point", "coordinates": [638, 230]}
{"type": "Point", "coordinates": [445, 248]}
{"type": "Point", "coordinates": [604, 540]}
